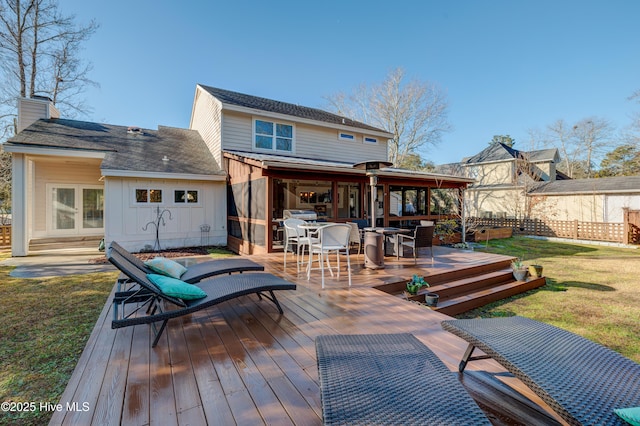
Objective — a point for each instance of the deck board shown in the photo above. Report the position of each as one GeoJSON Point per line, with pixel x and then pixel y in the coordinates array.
{"type": "Point", "coordinates": [241, 362]}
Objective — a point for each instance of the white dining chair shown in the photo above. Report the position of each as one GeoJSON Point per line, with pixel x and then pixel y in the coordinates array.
{"type": "Point", "coordinates": [355, 237]}
{"type": "Point", "coordinates": [295, 235]}
{"type": "Point", "coordinates": [332, 238]}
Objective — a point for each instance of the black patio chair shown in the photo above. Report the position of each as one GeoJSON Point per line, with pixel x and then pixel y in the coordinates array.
{"type": "Point", "coordinates": [145, 305]}
{"type": "Point", "coordinates": [422, 237]}
{"type": "Point", "coordinates": [389, 379]}
{"type": "Point", "coordinates": [584, 382]}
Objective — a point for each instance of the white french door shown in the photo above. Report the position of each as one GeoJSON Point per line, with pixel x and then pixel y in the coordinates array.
{"type": "Point", "coordinates": [75, 209]}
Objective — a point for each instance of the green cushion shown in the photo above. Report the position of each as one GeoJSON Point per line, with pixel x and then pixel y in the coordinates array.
{"type": "Point", "coordinates": [175, 288]}
{"type": "Point", "coordinates": [166, 266]}
{"type": "Point", "coordinates": [630, 415]}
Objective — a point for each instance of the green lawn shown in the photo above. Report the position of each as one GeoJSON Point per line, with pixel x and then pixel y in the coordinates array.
{"type": "Point", "coordinates": [592, 290]}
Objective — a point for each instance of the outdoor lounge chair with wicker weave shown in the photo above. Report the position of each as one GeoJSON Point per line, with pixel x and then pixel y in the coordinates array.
{"type": "Point", "coordinates": [198, 271]}
{"type": "Point", "coordinates": [145, 305]}
{"type": "Point", "coordinates": [389, 379]}
{"type": "Point", "coordinates": [581, 380]}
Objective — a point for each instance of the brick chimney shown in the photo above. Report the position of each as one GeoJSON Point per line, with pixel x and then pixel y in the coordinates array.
{"type": "Point", "coordinates": [32, 109]}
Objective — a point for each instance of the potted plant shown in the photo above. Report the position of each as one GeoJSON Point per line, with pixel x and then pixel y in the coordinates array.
{"type": "Point", "coordinates": [416, 283]}
{"type": "Point", "coordinates": [535, 271]}
{"type": "Point", "coordinates": [445, 231]}
{"type": "Point", "coordinates": [520, 271]}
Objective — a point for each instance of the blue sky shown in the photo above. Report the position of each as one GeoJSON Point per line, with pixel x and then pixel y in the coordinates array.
{"type": "Point", "coordinates": [507, 66]}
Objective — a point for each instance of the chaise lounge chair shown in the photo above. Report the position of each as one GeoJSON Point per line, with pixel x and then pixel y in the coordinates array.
{"type": "Point", "coordinates": [150, 297]}
{"type": "Point", "coordinates": [389, 379]}
{"type": "Point", "coordinates": [197, 272]}
{"type": "Point", "coordinates": [581, 380]}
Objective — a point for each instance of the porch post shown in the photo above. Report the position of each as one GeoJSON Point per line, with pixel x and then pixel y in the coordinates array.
{"type": "Point", "coordinates": [19, 234]}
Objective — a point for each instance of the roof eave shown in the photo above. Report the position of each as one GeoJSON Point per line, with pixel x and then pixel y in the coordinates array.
{"type": "Point", "coordinates": [221, 177]}
{"type": "Point", "coordinates": [52, 151]}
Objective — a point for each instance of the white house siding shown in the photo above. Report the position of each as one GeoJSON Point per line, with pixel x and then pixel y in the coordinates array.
{"type": "Point", "coordinates": [31, 110]}
{"type": "Point", "coordinates": [507, 203]}
{"type": "Point", "coordinates": [310, 141]}
{"type": "Point", "coordinates": [237, 131]}
{"type": "Point", "coordinates": [614, 205]}
{"type": "Point", "coordinates": [584, 208]}
{"type": "Point", "coordinates": [206, 119]}
{"type": "Point", "coordinates": [548, 170]}
{"type": "Point", "coordinates": [58, 170]}
{"type": "Point", "coordinates": [492, 173]}
{"type": "Point", "coordinates": [125, 219]}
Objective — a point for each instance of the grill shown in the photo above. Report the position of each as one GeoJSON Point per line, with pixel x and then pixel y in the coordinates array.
{"type": "Point", "coordinates": [300, 214]}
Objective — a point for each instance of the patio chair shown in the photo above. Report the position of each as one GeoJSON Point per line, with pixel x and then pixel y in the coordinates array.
{"type": "Point", "coordinates": [355, 237]}
{"type": "Point", "coordinates": [332, 238]}
{"type": "Point", "coordinates": [581, 380]}
{"type": "Point", "coordinates": [422, 238]}
{"type": "Point", "coordinates": [390, 379]}
{"type": "Point", "coordinates": [294, 235]}
{"type": "Point", "coordinates": [196, 272]}
{"type": "Point", "coordinates": [128, 306]}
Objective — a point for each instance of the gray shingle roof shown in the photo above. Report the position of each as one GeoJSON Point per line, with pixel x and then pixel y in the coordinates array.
{"type": "Point", "coordinates": [618, 184]}
{"type": "Point", "coordinates": [502, 152]}
{"type": "Point", "coordinates": [142, 152]}
{"type": "Point", "coordinates": [270, 105]}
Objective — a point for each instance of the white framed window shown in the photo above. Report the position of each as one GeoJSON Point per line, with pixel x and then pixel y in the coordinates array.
{"type": "Point", "coordinates": [346, 136]}
{"type": "Point", "coordinates": [147, 195]}
{"type": "Point", "coordinates": [273, 136]}
{"type": "Point", "coordinates": [186, 196]}
{"type": "Point", "coordinates": [369, 139]}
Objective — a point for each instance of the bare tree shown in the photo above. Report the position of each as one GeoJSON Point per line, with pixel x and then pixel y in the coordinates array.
{"type": "Point", "coordinates": [592, 135]}
{"type": "Point", "coordinates": [415, 112]}
{"type": "Point", "coordinates": [560, 134]}
{"type": "Point", "coordinates": [581, 144]}
{"type": "Point", "coordinates": [39, 50]}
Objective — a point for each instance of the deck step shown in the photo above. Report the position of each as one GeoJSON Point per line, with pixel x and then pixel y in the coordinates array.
{"type": "Point", "coordinates": [465, 302]}
{"type": "Point", "coordinates": [64, 243]}
{"type": "Point", "coordinates": [470, 284]}
{"type": "Point", "coordinates": [469, 288]}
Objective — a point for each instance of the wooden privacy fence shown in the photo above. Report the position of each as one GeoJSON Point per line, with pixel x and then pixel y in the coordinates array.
{"type": "Point", "coordinates": [574, 229]}
{"type": "Point", "coordinates": [5, 235]}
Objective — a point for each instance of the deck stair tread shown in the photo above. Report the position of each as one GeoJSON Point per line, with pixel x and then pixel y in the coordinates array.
{"type": "Point", "coordinates": [469, 288]}
{"type": "Point", "coordinates": [475, 282]}
{"type": "Point", "coordinates": [467, 301]}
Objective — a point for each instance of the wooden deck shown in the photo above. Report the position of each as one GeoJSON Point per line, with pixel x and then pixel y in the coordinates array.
{"type": "Point", "coordinates": [242, 363]}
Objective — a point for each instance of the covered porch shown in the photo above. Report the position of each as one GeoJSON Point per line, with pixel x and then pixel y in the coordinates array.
{"type": "Point", "coordinates": [243, 363]}
{"type": "Point", "coordinates": [264, 188]}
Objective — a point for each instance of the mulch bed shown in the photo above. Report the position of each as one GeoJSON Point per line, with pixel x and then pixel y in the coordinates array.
{"type": "Point", "coordinates": [169, 253]}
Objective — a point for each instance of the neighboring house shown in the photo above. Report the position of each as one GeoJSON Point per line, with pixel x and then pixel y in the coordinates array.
{"type": "Point", "coordinates": [245, 163]}
{"type": "Point", "coordinates": [588, 200]}
{"type": "Point", "coordinates": [503, 176]}
{"type": "Point", "coordinates": [514, 184]}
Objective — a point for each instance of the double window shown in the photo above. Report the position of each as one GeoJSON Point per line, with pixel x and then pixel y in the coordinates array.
{"type": "Point", "coordinates": [182, 196]}
{"type": "Point", "coordinates": [148, 195]}
{"type": "Point", "coordinates": [273, 136]}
